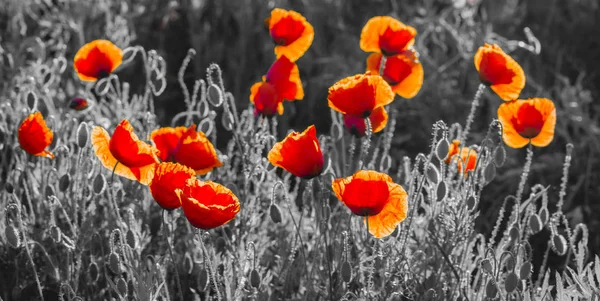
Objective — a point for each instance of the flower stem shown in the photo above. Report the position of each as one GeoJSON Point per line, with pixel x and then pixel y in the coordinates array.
{"type": "Point", "coordinates": [166, 232]}
{"type": "Point", "coordinates": [471, 116]}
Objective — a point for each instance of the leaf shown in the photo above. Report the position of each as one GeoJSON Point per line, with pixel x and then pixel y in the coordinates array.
{"type": "Point", "coordinates": [560, 291]}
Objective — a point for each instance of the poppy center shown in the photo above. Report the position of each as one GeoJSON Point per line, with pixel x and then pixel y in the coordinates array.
{"type": "Point", "coordinates": [528, 121]}
{"type": "Point", "coordinates": [393, 42]}
{"type": "Point", "coordinates": [396, 70]}
{"type": "Point", "coordinates": [355, 125]}
{"type": "Point", "coordinates": [493, 70]}
{"type": "Point", "coordinates": [286, 31]}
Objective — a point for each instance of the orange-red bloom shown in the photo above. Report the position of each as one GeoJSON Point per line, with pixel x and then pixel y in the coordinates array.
{"type": "Point", "coordinates": [282, 82]}
{"type": "Point", "coordinates": [299, 153]}
{"type": "Point", "coordinates": [35, 136]}
{"type": "Point", "coordinates": [462, 155]}
{"type": "Point", "coordinates": [208, 205]}
{"type": "Point", "coordinates": [97, 59]}
{"type": "Point", "coordinates": [166, 139]}
{"type": "Point", "coordinates": [403, 72]}
{"type": "Point", "coordinates": [525, 121]}
{"type": "Point", "coordinates": [376, 197]}
{"type": "Point", "coordinates": [125, 153]}
{"type": "Point", "coordinates": [194, 150]}
{"type": "Point", "coordinates": [500, 71]}
{"type": "Point", "coordinates": [360, 95]}
{"type": "Point", "coordinates": [167, 178]}
{"type": "Point", "coordinates": [358, 125]}
{"type": "Point", "coordinates": [291, 32]}
{"type": "Point", "coordinates": [386, 35]}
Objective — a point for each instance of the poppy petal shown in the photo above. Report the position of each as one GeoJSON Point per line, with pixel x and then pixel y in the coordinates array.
{"type": "Point", "coordinates": [365, 193]}
{"type": "Point", "coordinates": [386, 35]}
{"type": "Point", "coordinates": [394, 212]}
{"type": "Point", "coordinates": [285, 78]}
{"type": "Point", "coordinates": [266, 100]}
{"type": "Point", "coordinates": [165, 139]}
{"type": "Point", "coordinates": [195, 151]}
{"type": "Point", "coordinates": [35, 136]}
{"type": "Point", "coordinates": [291, 32]}
{"type": "Point", "coordinates": [167, 178]}
{"type": "Point", "coordinates": [403, 72]}
{"type": "Point", "coordinates": [546, 134]}
{"type": "Point", "coordinates": [128, 149]}
{"type": "Point", "coordinates": [97, 59]}
{"type": "Point", "coordinates": [500, 71]}
{"type": "Point", "coordinates": [208, 205]}
{"type": "Point", "coordinates": [360, 94]}
{"type": "Point", "coordinates": [299, 153]}
{"type": "Point", "coordinates": [358, 127]}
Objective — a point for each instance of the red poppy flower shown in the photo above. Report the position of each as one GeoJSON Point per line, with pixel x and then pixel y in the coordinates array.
{"type": "Point", "coordinates": [358, 126]}
{"type": "Point", "coordinates": [376, 197]}
{"type": "Point", "coordinates": [500, 71]}
{"type": "Point", "coordinates": [97, 59]}
{"type": "Point", "coordinates": [208, 205]}
{"type": "Point", "coordinates": [78, 104]}
{"type": "Point", "coordinates": [35, 136]}
{"type": "Point", "coordinates": [386, 35]}
{"type": "Point", "coordinates": [291, 32]}
{"type": "Point", "coordinates": [465, 155]}
{"type": "Point", "coordinates": [299, 153]}
{"type": "Point", "coordinates": [403, 72]}
{"type": "Point", "coordinates": [282, 82]}
{"type": "Point", "coordinates": [166, 139]}
{"type": "Point", "coordinates": [524, 121]}
{"type": "Point", "coordinates": [195, 151]}
{"type": "Point", "coordinates": [125, 153]}
{"type": "Point", "coordinates": [167, 178]}
{"type": "Point", "coordinates": [360, 94]}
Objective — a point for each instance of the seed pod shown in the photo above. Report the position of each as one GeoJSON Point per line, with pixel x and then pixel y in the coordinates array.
{"type": "Point", "coordinates": [489, 172]}
{"type": "Point", "coordinates": [275, 213]}
{"type": "Point", "coordinates": [64, 182]}
{"type": "Point", "coordinates": [202, 280]}
{"type": "Point", "coordinates": [82, 135]}
{"type": "Point", "coordinates": [544, 214]}
{"type": "Point", "coordinates": [346, 271]}
{"type": "Point", "coordinates": [215, 95]}
{"type": "Point", "coordinates": [114, 263]}
{"type": "Point", "coordinates": [441, 191]}
{"type": "Point", "coordinates": [525, 271]}
{"type": "Point", "coordinates": [471, 203]}
{"type": "Point", "coordinates": [122, 286]}
{"type": "Point", "coordinates": [491, 290]}
{"type": "Point", "coordinates": [254, 278]}
{"type": "Point", "coordinates": [93, 271]}
{"type": "Point", "coordinates": [12, 236]}
{"type": "Point", "coordinates": [535, 223]}
{"type": "Point", "coordinates": [441, 149]}
{"type": "Point", "coordinates": [55, 233]}
{"type": "Point", "coordinates": [510, 283]}
{"type": "Point", "coordinates": [487, 266]}
{"type": "Point", "coordinates": [131, 239]}
{"type": "Point", "coordinates": [432, 174]}
{"type": "Point", "coordinates": [559, 244]}
{"type": "Point", "coordinates": [499, 155]}
{"type": "Point", "coordinates": [99, 183]}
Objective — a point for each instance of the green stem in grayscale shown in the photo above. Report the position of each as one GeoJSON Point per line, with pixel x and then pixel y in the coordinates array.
{"type": "Point", "coordinates": [166, 232]}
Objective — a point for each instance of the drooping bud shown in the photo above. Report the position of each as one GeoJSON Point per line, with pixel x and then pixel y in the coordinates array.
{"type": "Point", "coordinates": [525, 271]}
{"type": "Point", "coordinates": [254, 278]}
{"type": "Point", "coordinates": [441, 149]}
{"type": "Point", "coordinates": [82, 135]}
{"type": "Point", "coordinates": [346, 271]}
{"type": "Point", "coordinates": [99, 183]}
{"type": "Point", "coordinates": [441, 191]}
{"type": "Point", "coordinates": [510, 283]}
{"type": "Point", "coordinates": [275, 213]}
{"type": "Point", "coordinates": [535, 223]}
{"type": "Point", "coordinates": [12, 236]}
{"type": "Point", "coordinates": [559, 244]}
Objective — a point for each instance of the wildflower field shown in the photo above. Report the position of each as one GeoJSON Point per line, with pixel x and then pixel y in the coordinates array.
{"type": "Point", "coordinates": [299, 150]}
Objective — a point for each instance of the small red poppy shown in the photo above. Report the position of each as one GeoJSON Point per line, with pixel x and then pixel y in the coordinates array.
{"type": "Point", "coordinates": [500, 71]}
{"type": "Point", "coordinates": [125, 153]}
{"type": "Point", "coordinates": [97, 59]}
{"type": "Point", "coordinates": [376, 197]}
{"type": "Point", "coordinates": [527, 121]}
{"type": "Point", "coordinates": [195, 151]}
{"type": "Point", "coordinates": [78, 104]}
{"type": "Point", "coordinates": [208, 205]}
{"type": "Point", "coordinates": [299, 153]}
{"type": "Point", "coordinates": [35, 136]}
{"type": "Point", "coordinates": [166, 139]}
{"type": "Point", "coordinates": [360, 95]}
{"type": "Point", "coordinates": [358, 125]}
{"type": "Point", "coordinates": [167, 178]}
{"type": "Point", "coordinates": [403, 72]}
{"type": "Point", "coordinates": [282, 82]}
{"type": "Point", "coordinates": [290, 31]}
{"type": "Point", "coordinates": [386, 35]}
{"type": "Point", "coordinates": [462, 155]}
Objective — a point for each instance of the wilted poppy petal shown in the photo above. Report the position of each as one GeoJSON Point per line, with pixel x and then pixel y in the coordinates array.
{"type": "Point", "coordinates": [291, 32]}
{"type": "Point", "coordinates": [208, 205]}
{"type": "Point", "coordinates": [522, 120]}
{"type": "Point", "coordinates": [403, 72]}
{"type": "Point", "coordinates": [128, 149]}
{"type": "Point", "coordinates": [394, 212]}
{"type": "Point", "coordinates": [500, 71]}
{"type": "Point", "coordinates": [165, 139]}
{"type": "Point", "coordinates": [195, 151]}
{"type": "Point", "coordinates": [299, 153]}
{"type": "Point", "coordinates": [358, 126]}
{"type": "Point", "coordinates": [285, 78]}
{"type": "Point", "coordinates": [266, 100]}
{"type": "Point", "coordinates": [365, 193]}
{"type": "Point", "coordinates": [167, 178]}
{"type": "Point", "coordinates": [359, 95]}
{"type": "Point", "coordinates": [97, 59]}
{"type": "Point", "coordinates": [386, 35]}
{"type": "Point", "coordinates": [35, 136]}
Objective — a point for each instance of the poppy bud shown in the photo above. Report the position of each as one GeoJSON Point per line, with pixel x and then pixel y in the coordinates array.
{"type": "Point", "coordinates": [93, 271]}
{"type": "Point", "coordinates": [346, 271]}
{"type": "Point", "coordinates": [535, 223]}
{"type": "Point", "coordinates": [544, 214]}
{"type": "Point", "coordinates": [559, 244]}
{"type": "Point", "coordinates": [489, 172]}
{"type": "Point", "coordinates": [510, 262]}
{"type": "Point", "coordinates": [254, 278]}
{"type": "Point", "coordinates": [430, 294]}
{"type": "Point", "coordinates": [441, 191]}
{"type": "Point", "coordinates": [275, 213]}
{"type": "Point", "coordinates": [202, 280]}
{"type": "Point", "coordinates": [514, 232]}
{"type": "Point", "coordinates": [114, 263]}
{"type": "Point", "coordinates": [64, 182]}
{"type": "Point", "coordinates": [12, 236]}
{"type": "Point", "coordinates": [227, 120]}
{"type": "Point", "coordinates": [471, 203]}
{"type": "Point", "coordinates": [9, 188]}
{"type": "Point", "coordinates": [441, 149]}
{"type": "Point", "coordinates": [99, 183]}
{"type": "Point", "coordinates": [432, 174]}
{"type": "Point", "coordinates": [82, 135]}
{"type": "Point", "coordinates": [49, 191]}
{"type": "Point", "coordinates": [122, 286]}
{"type": "Point", "coordinates": [32, 100]}
{"type": "Point", "coordinates": [215, 95]}
{"type": "Point", "coordinates": [510, 283]}
{"type": "Point", "coordinates": [55, 233]}
{"type": "Point", "coordinates": [490, 289]}
{"type": "Point", "coordinates": [525, 271]}
{"type": "Point", "coordinates": [499, 155]}
{"type": "Point", "coordinates": [131, 239]}
{"type": "Point", "coordinates": [487, 266]}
